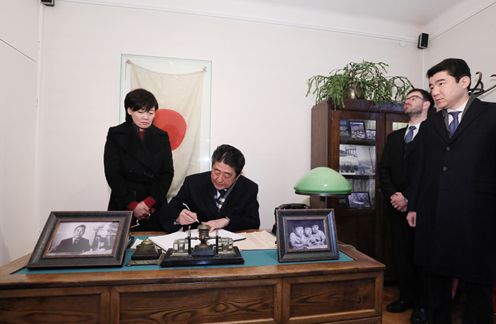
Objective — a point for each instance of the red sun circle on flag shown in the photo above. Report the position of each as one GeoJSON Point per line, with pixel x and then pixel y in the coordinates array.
{"type": "Point", "coordinates": [173, 123]}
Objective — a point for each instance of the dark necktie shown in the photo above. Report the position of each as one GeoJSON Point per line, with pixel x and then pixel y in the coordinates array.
{"type": "Point", "coordinates": [409, 134]}
{"type": "Point", "coordinates": [76, 241]}
{"type": "Point", "coordinates": [220, 198]}
{"type": "Point", "coordinates": [454, 123]}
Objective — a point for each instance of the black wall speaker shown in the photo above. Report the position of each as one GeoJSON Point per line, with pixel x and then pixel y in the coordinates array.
{"type": "Point", "coordinates": [49, 3]}
{"type": "Point", "coordinates": [423, 41]}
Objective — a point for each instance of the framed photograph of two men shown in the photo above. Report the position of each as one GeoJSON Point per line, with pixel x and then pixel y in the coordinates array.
{"type": "Point", "coordinates": [82, 239]}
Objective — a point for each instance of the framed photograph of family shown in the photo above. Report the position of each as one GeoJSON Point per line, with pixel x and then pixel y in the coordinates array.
{"type": "Point", "coordinates": [82, 239]}
{"type": "Point", "coordinates": [306, 235]}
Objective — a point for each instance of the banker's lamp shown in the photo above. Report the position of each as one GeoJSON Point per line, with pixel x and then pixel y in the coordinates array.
{"type": "Point", "coordinates": [323, 181]}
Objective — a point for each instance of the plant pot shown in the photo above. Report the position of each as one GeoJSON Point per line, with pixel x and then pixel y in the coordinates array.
{"type": "Point", "coordinates": [355, 92]}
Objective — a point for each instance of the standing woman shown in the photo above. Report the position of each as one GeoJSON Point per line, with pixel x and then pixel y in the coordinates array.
{"type": "Point", "coordinates": [138, 162]}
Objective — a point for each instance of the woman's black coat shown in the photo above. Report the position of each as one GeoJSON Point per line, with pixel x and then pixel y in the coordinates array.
{"type": "Point", "coordinates": [136, 169]}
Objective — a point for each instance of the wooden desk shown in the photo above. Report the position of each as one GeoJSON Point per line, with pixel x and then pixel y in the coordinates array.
{"type": "Point", "coordinates": [344, 292]}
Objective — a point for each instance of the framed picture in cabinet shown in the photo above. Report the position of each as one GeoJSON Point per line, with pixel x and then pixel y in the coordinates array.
{"type": "Point", "coordinates": [356, 159]}
{"type": "Point", "coordinates": [357, 129]}
{"type": "Point", "coordinates": [359, 200]}
{"type": "Point", "coordinates": [344, 130]}
{"type": "Point", "coordinates": [371, 134]}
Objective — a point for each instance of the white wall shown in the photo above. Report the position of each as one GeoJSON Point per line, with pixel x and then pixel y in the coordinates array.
{"type": "Point", "coordinates": [471, 39]}
{"type": "Point", "coordinates": [258, 98]}
{"type": "Point", "coordinates": [258, 91]}
{"type": "Point", "coordinates": [258, 104]}
{"type": "Point", "coordinates": [18, 83]}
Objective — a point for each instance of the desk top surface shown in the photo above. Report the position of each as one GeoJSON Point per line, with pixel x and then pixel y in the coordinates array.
{"type": "Point", "coordinates": [257, 263]}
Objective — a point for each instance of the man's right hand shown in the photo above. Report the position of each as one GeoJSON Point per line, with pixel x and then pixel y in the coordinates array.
{"type": "Point", "coordinates": [399, 201]}
{"type": "Point", "coordinates": [186, 217]}
{"type": "Point", "coordinates": [411, 218]}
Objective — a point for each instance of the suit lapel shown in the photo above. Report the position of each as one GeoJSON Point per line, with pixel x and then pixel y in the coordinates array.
{"type": "Point", "coordinates": [402, 146]}
{"type": "Point", "coordinates": [210, 194]}
{"type": "Point", "coordinates": [230, 197]}
{"type": "Point", "coordinates": [471, 112]}
{"type": "Point", "coordinates": [438, 121]}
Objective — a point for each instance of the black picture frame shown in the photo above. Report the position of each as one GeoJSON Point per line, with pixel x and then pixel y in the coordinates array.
{"type": "Point", "coordinates": [82, 239]}
{"type": "Point", "coordinates": [359, 199]}
{"type": "Point", "coordinates": [357, 129]}
{"type": "Point", "coordinates": [295, 243]}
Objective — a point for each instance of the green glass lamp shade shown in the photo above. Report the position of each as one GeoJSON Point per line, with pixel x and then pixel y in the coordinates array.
{"type": "Point", "coordinates": [323, 181]}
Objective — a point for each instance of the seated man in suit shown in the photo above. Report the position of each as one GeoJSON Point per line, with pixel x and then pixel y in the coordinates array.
{"type": "Point", "coordinates": [75, 244]}
{"type": "Point", "coordinates": [220, 198]}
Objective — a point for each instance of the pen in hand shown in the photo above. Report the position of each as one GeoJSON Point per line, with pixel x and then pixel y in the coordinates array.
{"type": "Point", "coordinates": [196, 220]}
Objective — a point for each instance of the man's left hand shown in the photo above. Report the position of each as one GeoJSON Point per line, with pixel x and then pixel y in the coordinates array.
{"type": "Point", "coordinates": [217, 223]}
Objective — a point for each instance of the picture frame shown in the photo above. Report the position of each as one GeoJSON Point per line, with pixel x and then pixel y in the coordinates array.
{"type": "Point", "coordinates": [359, 199]}
{"type": "Point", "coordinates": [371, 134]}
{"type": "Point", "coordinates": [82, 239]}
{"type": "Point", "coordinates": [306, 235]}
{"type": "Point", "coordinates": [344, 130]}
{"type": "Point", "coordinates": [357, 129]}
{"type": "Point", "coordinates": [357, 159]}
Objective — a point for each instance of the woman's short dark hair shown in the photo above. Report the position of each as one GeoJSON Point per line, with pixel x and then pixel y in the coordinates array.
{"type": "Point", "coordinates": [229, 155]}
{"type": "Point", "coordinates": [139, 99]}
{"type": "Point", "coordinates": [455, 67]}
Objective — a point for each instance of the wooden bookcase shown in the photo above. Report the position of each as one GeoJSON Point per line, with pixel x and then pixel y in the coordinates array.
{"type": "Point", "coordinates": [350, 140]}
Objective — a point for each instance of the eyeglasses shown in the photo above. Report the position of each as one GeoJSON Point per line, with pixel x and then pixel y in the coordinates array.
{"type": "Point", "coordinates": [414, 97]}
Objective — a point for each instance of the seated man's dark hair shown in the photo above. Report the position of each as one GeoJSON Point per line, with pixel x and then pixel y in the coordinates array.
{"type": "Point", "coordinates": [139, 99]}
{"type": "Point", "coordinates": [229, 155]}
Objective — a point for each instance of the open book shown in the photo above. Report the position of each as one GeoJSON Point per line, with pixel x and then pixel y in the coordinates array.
{"type": "Point", "coordinates": [165, 241]}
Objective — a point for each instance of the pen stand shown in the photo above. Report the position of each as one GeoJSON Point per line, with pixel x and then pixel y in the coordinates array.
{"type": "Point", "coordinates": [182, 254]}
{"type": "Point", "coordinates": [146, 253]}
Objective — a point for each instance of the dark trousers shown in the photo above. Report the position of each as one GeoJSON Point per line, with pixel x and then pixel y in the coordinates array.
{"type": "Point", "coordinates": [478, 305]}
{"type": "Point", "coordinates": [411, 279]}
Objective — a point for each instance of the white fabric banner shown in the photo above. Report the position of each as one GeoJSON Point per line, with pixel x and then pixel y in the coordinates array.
{"type": "Point", "coordinates": [183, 94]}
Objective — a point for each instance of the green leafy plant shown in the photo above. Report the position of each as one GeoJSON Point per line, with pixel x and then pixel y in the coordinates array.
{"type": "Point", "coordinates": [365, 80]}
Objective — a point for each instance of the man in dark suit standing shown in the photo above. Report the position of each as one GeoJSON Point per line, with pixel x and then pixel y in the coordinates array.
{"type": "Point", "coordinates": [220, 198]}
{"type": "Point", "coordinates": [75, 244]}
{"type": "Point", "coordinates": [452, 205]}
{"type": "Point", "coordinates": [394, 172]}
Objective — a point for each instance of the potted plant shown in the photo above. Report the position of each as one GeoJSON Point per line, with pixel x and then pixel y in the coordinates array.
{"type": "Point", "coordinates": [365, 80]}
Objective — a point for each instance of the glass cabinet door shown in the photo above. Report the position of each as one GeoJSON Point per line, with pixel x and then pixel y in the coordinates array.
{"type": "Point", "coordinates": [357, 160]}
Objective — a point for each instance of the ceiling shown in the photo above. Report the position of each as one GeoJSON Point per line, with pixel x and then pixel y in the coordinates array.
{"type": "Point", "coordinates": [416, 12]}
{"type": "Point", "coordinates": [392, 19]}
